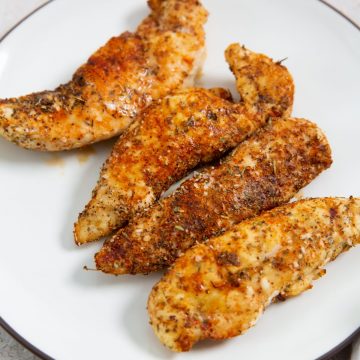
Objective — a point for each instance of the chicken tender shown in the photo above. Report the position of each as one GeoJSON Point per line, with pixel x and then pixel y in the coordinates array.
{"type": "Point", "coordinates": [263, 172]}
{"type": "Point", "coordinates": [219, 289]}
{"type": "Point", "coordinates": [118, 81]}
{"type": "Point", "coordinates": [180, 132]}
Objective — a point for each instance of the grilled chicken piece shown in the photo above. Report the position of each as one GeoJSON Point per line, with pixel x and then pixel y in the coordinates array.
{"type": "Point", "coordinates": [118, 81]}
{"type": "Point", "coordinates": [220, 288]}
{"type": "Point", "coordinates": [265, 171]}
{"type": "Point", "coordinates": [179, 132]}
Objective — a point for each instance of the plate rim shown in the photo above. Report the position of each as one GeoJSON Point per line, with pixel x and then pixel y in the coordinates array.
{"type": "Point", "coordinates": [36, 351]}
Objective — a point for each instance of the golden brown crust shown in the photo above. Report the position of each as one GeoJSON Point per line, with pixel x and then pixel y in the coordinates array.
{"type": "Point", "coordinates": [265, 171]}
{"type": "Point", "coordinates": [118, 81]}
{"type": "Point", "coordinates": [178, 133]}
{"type": "Point", "coordinates": [248, 66]}
{"type": "Point", "coordinates": [219, 289]}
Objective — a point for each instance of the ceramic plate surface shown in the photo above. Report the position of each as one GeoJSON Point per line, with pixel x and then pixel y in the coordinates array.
{"type": "Point", "coordinates": [69, 313]}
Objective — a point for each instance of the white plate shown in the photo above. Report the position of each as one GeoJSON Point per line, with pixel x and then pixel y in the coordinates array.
{"type": "Point", "coordinates": [69, 313]}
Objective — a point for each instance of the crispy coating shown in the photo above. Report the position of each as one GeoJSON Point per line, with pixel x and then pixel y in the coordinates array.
{"type": "Point", "coordinates": [179, 132]}
{"type": "Point", "coordinates": [118, 81]}
{"type": "Point", "coordinates": [260, 81]}
{"type": "Point", "coordinates": [219, 289]}
{"type": "Point", "coordinates": [263, 172]}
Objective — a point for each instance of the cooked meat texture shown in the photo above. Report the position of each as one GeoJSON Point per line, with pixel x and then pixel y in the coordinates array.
{"type": "Point", "coordinates": [118, 81]}
{"type": "Point", "coordinates": [179, 132]}
{"type": "Point", "coordinates": [263, 172]}
{"type": "Point", "coordinates": [219, 289]}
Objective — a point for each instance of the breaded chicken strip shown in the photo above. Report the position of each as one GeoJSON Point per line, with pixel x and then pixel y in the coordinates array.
{"type": "Point", "coordinates": [220, 288]}
{"type": "Point", "coordinates": [118, 81]}
{"type": "Point", "coordinates": [263, 172]}
{"type": "Point", "coordinates": [179, 132]}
